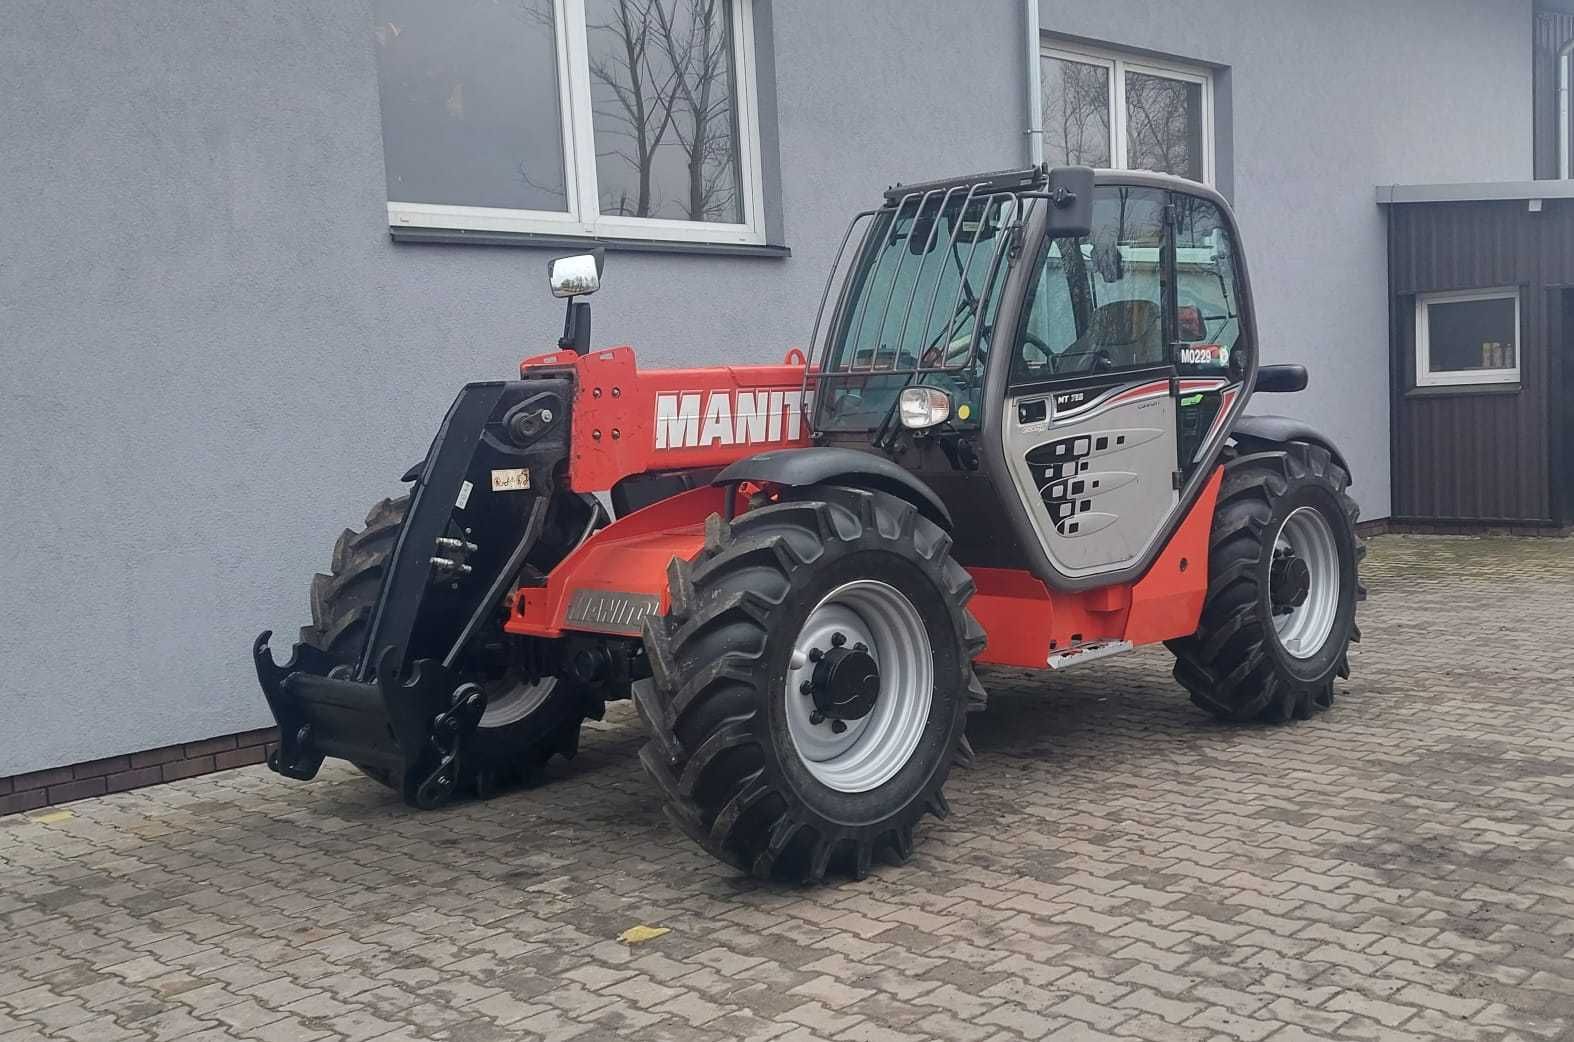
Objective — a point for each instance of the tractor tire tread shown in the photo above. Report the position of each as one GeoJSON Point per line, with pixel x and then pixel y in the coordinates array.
{"type": "Point", "coordinates": [1226, 666]}
{"type": "Point", "coordinates": [701, 705]}
{"type": "Point", "coordinates": [342, 601]}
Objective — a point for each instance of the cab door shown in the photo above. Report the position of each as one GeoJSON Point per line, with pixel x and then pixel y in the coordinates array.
{"type": "Point", "coordinates": [1090, 429]}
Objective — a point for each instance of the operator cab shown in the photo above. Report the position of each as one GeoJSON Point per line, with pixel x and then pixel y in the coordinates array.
{"type": "Point", "coordinates": [1078, 340]}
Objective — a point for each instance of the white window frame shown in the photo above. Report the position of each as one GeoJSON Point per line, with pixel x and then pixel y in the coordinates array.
{"type": "Point", "coordinates": [1118, 65]}
{"type": "Point", "coordinates": [584, 217]}
{"type": "Point", "coordinates": [1425, 377]}
{"type": "Point", "coordinates": [1565, 85]}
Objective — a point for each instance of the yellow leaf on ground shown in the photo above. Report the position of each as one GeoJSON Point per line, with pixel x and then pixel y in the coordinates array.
{"type": "Point", "coordinates": [51, 817]}
{"type": "Point", "coordinates": [641, 934]}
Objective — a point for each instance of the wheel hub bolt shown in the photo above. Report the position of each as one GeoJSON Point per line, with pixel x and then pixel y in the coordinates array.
{"type": "Point", "coordinates": [1289, 582]}
{"type": "Point", "coordinates": [838, 639]}
{"type": "Point", "coordinates": [806, 688]}
{"type": "Point", "coordinates": [838, 726]}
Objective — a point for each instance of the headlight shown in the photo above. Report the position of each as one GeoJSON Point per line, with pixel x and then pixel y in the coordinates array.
{"type": "Point", "coordinates": [923, 407]}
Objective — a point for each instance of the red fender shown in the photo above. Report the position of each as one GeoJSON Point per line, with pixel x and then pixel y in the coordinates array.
{"type": "Point", "coordinates": [619, 574]}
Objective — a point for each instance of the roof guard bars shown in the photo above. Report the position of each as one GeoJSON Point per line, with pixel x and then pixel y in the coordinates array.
{"type": "Point", "coordinates": [997, 214]}
{"type": "Point", "coordinates": [929, 245]}
{"type": "Point", "coordinates": [1023, 180]}
{"type": "Point", "coordinates": [983, 206]}
{"type": "Point", "coordinates": [1002, 234]}
{"type": "Point", "coordinates": [896, 278]}
{"type": "Point", "coordinates": [814, 351]}
{"type": "Point", "coordinates": [888, 241]}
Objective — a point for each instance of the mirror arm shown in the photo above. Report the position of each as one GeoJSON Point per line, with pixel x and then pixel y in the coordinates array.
{"type": "Point", "coordinates": [576, 327]}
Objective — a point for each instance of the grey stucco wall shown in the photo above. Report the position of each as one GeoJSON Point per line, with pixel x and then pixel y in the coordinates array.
{"type": "Point", "coordinates": [1329, 99]}
{"type": "Point", "coordinates": [215, 357]}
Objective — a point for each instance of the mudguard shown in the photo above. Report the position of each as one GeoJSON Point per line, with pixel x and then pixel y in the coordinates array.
{"type": "Point", "coordinates": [1261, 433]}
{"type": "Point", "coordinates": [823, 465]}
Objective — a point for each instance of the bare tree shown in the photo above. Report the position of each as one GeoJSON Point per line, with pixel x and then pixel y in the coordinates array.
{"type": "Point", "coordinates": [1083, 101]}
{"type": "Point", "coordinates": [661, 72]}
{"type": "Point", "coordinates": [642, 108]}
{"type": "Point", "coordinates": [1160, 115]}
{"type": "Point", "coordinates": [700, 53]}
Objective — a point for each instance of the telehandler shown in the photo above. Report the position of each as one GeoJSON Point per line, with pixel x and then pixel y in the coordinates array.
{"type": "Point", "coordinates": [1018, 437]}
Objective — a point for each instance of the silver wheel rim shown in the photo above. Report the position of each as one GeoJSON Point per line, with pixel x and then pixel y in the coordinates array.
{"type": "Point", "coordinates": [1304, 629]}
{"type": "Point", "coordinates": [874, 748]}
{"type": "Point", "coordinates": [511, 700]}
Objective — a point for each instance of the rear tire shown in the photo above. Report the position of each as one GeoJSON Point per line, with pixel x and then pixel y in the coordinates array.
{"type": "Point", "coordinates": [745, 769]}
{"type": "Point", "coordinates": [1282, 589]}
{"type": "Point", "coordinates": [525, 724]}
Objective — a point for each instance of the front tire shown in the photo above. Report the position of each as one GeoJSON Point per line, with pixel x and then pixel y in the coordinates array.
{"type": "Point", "coordinates": [1282, 589]}
{"type": "Point", "coordinates": [532, 713]}
{"type": "Point", "coordinates": [809, 684]}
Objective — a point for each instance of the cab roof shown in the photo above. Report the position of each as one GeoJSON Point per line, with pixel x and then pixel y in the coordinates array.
{"type": "Point", "coordinates": [1035, 178]}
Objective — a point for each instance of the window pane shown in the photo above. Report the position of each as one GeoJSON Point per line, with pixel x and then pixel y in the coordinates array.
{"type": "Point", "coordinates": [1472, 334]}
{"type": "Point", "coordinates": [1164, 125]}
{"type": "Point", "coordinates": [664, 110]}
{"type": "Point", "coordinates": [1208, 317]}
{"type": "Point", "coordinates": [1098, 303]}
{"type": "Point", "coordinates": [1075, 99]}
{"type": "Point", "coordinates": [470, 103]}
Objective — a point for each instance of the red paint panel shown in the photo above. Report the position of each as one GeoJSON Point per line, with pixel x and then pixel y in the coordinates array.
{"type": "Point", "coordinates": [628, 556]}
{"type": "Point", "coordinates": [1023, 617]}
{"type": "Point", "coordinates": [1167, 601]}
{"type": "Point", "coordinates": [632, 421]}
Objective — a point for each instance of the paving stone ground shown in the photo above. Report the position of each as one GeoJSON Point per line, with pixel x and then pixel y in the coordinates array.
{"type": "Point", "coordinates": [1117, 866]}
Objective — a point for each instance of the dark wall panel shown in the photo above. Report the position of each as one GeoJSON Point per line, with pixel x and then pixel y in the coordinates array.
{"type": "Point", "coordinates": [1478, 453]}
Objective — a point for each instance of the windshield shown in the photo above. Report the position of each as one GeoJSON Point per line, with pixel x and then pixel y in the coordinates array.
{"type": "Point", "coordinates": [919, 308]}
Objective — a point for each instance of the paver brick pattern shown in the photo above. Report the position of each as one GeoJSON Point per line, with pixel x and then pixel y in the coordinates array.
{"type": "Point", "coordinates": [1117, 866]}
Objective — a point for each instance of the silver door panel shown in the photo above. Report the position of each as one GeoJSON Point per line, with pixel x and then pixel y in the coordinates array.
{"type": "Point", "coordinates": [1092, 520]}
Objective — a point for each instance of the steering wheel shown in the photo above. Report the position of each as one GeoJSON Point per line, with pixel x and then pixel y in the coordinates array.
{"type": "Point", "coordinates": [943, 357]}
{"type": "Point", "coordinates": [1041, 347]}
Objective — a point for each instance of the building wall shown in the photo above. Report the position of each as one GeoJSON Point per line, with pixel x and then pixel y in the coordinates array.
{"type": "Point", "coordinates": [1554, 31]}
{"type": "Point", "coordinates": [1473, 454]}
{"type": "Point", "coordinates": [1483, 454]}
{"type": "Point", "coordinates": [215, 357]}
{"type": "Point", "coordinates": [1328, 100]}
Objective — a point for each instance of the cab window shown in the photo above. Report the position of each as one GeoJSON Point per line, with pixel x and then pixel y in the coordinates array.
{"type": "Point", "coordinates": [1098, 302]}
{"type": "Point", "coordinates": [1208, 319]}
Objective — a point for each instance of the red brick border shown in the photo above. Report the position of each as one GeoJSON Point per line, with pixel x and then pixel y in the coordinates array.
{"type": "Point", "coordinates": [133, 771]}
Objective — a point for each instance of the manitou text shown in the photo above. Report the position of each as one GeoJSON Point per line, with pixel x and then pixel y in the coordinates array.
{"type": "Point", "coordinates": [699, 419]}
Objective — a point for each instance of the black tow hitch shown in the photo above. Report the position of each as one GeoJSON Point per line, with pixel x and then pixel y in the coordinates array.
{"type": "Point", "coordinates": [414, 727]}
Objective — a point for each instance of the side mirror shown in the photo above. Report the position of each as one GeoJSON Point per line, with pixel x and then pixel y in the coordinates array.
{"type": "Point", "coordinates": [1280, 379]}
{"type": "Point", "coordinates": [575, 276]}
{"type": "Point", "coordinates": [1070, 194]}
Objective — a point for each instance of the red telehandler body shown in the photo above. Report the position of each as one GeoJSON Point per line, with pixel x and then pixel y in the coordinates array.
{"type": "Point", "coordinates": [1021, 440]}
